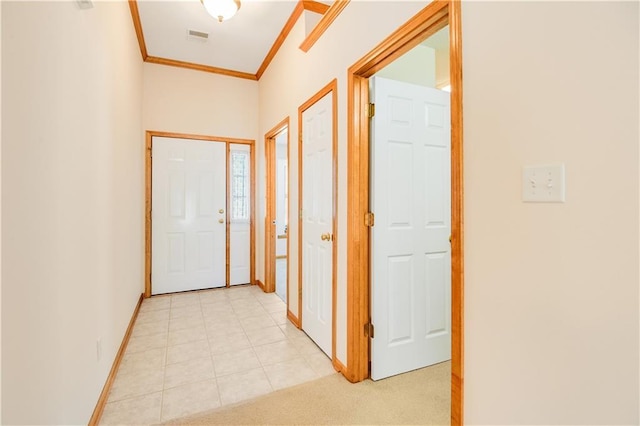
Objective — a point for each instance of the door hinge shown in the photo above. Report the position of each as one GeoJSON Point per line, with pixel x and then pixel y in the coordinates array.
{"type": "Point", "coordinates": [368, 330]}
{"type": "Point", "coordinates": [369, 219]}
{"type": "Point", "coordinates": [371, 110]}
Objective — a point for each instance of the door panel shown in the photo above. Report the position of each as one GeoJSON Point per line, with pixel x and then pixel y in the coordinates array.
{"type": "Point", "coordinates": [188, 240]}
{"type": "Point", "coordinates": [436, 273]}
{"type": "Point", "coordinates": [317, 219]}
{"type": "Point", "coordinates": [240, 214]}
{"type": "Point", "coordinates": [176, 252]}
{"type": "Point", "coordinates": [410, 250]}
{"type": "Point", "coordinates": [206, 249]}
{"type": "Point", "coordinates": [399, 299]}
{"type": "Point", "coordinates": [205, 187]}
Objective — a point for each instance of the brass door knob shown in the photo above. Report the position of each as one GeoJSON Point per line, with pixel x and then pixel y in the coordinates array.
{"type": "Point", "coordinates": [221, 211]}
{"type": "Point", "coordinates": [220, 220]}
{"type": "Point", "coordinates": [326, 237]}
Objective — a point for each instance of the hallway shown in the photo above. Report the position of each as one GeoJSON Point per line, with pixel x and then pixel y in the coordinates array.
{"type": "Point", "coordinates": [196, 351]}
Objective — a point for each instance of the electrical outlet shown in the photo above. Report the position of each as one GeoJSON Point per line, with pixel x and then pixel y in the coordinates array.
{"type": "Point", "coordinates": [543, 184]}
{"type": "Point", "coordinates": [99, 349]}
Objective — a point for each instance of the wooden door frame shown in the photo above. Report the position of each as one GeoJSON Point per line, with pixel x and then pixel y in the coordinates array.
{"type": "Point", "coordinates": [432, 18]}
{"type": "Point", "coordinates": [149, 135]}
{"type": "Point", "coordinates": [332, 88]}
{"type": "Point", "coordinates": [269, 234]}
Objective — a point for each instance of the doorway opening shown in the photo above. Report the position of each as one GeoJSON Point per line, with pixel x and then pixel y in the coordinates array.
{"type": "Point", "coordinates": [199, 212]}
{"type": "Point", "coordinates": [426, 23]}
{"type": "Point", "coordinates": [277, 211]}
{"type": "Point", "coordinates": [410, 198]}
{"type": "Point", "coordinates": [282, 212]}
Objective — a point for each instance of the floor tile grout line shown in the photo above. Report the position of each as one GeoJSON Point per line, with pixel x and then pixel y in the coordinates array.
{"type": "Point", "coordinates": [213, 364]}
{"type": "Point", "coordinates": [198, 380]}
{"type": "Point", "coordinates": [244, 331]}
{"type": "Point", "coordinates": [166, 357]}
{"type": "Point", "coordinates": [135, 396]}
{"type": "Point", "coordinates": [167, 354]}
{"type": "Point", "coordinates": [252, 348]}
{"type": "Point", "coordinates": [109, 399]}
{"type": "Point", "coordinates": [248, 298]}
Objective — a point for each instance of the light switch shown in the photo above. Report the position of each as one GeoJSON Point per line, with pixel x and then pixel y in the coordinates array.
{"type": "Point", "coordinates": [543, 184]}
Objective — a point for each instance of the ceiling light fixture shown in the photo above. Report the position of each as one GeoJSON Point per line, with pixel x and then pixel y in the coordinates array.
{"type": "Point", "coordinates": [221, 9]}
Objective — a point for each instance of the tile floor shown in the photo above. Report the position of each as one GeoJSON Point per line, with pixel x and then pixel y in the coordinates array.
{"type": "Point", "coordinates": [281, 279]}
{"type": "Point", "coordinates": [196, 351]}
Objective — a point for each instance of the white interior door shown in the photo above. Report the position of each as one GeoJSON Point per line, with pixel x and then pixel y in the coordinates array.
{"type": "Point", "coordinates": [188, 231]}
{"type": "Point", "coordinates": [410, 249]}
{"type": "Point", "coordinates": [240, 214]}
{"type": "Point", "coordinates": [317, 222]}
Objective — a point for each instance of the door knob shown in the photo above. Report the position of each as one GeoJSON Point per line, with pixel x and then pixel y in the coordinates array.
{"type": "Point", "coordinates": [326, 237]}
{"type": "Point", "coordinates": [220, 220]}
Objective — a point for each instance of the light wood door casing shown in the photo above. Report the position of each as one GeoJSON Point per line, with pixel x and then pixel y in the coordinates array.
{"type": "Point", "coordinates": [270, 216]}
{"type": "Point", "coordinates": [435, 16]}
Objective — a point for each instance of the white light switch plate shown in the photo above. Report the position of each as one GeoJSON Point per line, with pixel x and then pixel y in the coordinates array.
{"type": "Point", "coordinates": [543, 184]}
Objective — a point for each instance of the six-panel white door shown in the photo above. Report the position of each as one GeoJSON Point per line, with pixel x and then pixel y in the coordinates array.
{"type": "Point", "coordinates": [188, 215]}
{"type": "Point", "coordinates": [410, 249]}
{"type": "Point", "coordinates": [317, 220]}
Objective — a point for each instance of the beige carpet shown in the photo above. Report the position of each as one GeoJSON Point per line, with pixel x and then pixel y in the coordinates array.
{"type": "Point", "coordinates": [419, 397]}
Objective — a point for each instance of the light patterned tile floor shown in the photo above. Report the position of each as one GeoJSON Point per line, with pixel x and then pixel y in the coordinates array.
{"type": "Point", "coordinates": [196, 351]}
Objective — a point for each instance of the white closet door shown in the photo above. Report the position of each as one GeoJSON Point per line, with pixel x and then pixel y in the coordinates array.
{"type": "Point", "coordinates": [317, 221]}
{"type": "Point", "coordinates": [188, 230]}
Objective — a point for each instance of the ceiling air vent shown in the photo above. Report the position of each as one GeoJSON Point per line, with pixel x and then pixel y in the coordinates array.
{"type": "Point", "coordinates": [197, 35]}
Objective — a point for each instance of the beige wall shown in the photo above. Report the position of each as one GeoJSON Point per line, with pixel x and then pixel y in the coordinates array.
{"type": "Point", "coordinates": [72, 211]}
{"type": "Point", "coordinates": [0, 216]}
{"type": "Point", "coordinates": [442, 68]}
{"type": "Point", "coordinates": [311, 19]}
{"type": "Point", "coordinates": [551, 292]}
{"type": "Point", "coordinates": [295, 76]}
{"type": "Point", "coordinates": [195, 102]}
{"type": "Point", "coordinates": [551, 289]}
{"type": "Point", "coordinates": [199, 103]}
{"type": "Point", "coordinates": [417, 66]}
